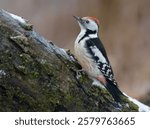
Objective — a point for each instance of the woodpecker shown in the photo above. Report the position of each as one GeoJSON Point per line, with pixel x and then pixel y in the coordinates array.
{"type": "Point", "coordinates": [92, 56]}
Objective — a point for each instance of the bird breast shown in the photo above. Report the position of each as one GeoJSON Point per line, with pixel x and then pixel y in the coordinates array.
{"type": "Point", "coordinates": [85, 59]}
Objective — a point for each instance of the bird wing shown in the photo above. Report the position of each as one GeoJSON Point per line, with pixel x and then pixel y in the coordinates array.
{"type": "Point", "coordinates": [99, 55]}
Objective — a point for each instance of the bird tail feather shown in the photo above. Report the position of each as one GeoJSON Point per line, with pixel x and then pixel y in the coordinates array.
{"type": "Point", "coordinates": [114, 91]}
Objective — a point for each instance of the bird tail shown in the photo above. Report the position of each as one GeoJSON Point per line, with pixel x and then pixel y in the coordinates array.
{"type": "Point", "coordinates": [114, 91]}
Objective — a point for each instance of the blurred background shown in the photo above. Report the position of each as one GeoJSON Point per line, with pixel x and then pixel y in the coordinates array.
{"type": "Point", "coordinates": [124, 31]}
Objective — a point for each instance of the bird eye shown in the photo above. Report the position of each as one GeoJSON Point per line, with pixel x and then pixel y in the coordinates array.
{"type": "Point", "coordinates": [87, 21]}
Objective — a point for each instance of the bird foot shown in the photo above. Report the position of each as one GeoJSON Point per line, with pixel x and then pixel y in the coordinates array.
{"type": "Point", "coordinates": [78, 73]}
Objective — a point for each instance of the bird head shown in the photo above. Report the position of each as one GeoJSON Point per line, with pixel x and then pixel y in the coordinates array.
{"type": "Point", "coordinates": [88, 23]}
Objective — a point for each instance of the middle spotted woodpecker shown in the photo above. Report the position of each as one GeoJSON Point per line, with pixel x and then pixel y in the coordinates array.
{"type": "Point", "coordinates": [92, 56]}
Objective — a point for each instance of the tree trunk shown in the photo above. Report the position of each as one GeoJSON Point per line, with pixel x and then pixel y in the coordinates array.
{"type": "Point", "coordinates": [36, 75]}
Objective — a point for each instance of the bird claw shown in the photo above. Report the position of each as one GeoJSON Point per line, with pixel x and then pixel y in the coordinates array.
{"type": "Point", "coordinates": [78, 73]}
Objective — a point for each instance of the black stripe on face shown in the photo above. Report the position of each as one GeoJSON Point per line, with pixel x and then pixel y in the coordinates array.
{"type": "Point", "coordinates": [87, 33]}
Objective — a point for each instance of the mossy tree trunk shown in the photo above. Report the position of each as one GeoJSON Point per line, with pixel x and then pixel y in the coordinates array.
{"type": "Point", "coordinates": [36, 75]}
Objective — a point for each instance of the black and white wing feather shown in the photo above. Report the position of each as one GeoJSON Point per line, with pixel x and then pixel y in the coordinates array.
{"type": "Point", "coordinates": [98, 53]}
{"type": "Point", "coordinates": [97, 50]}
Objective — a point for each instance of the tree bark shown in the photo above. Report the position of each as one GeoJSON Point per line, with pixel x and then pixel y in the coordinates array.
{"type": "Point", "coordinates": [36, 75]}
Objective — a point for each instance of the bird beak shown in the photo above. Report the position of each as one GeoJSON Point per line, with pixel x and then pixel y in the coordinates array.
{"type": "Point", "coordinates": [80, 20]}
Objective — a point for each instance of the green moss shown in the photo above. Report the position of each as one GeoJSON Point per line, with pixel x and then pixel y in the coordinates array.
{"type": "Point", "coordinates": [35, 74]}
{"type": "Point", "coordinates": [84, 78]}
{"type": "Point", "coordinates": [47, 68]}
{"type": "Point", "coordinates": [20, 39]}
{"type": "Point", "coordinates": [27, 26]}
{"type": "Point", "coordinates": [129, 105]}
{"type": "Point", "coordinates": [22, 69]}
